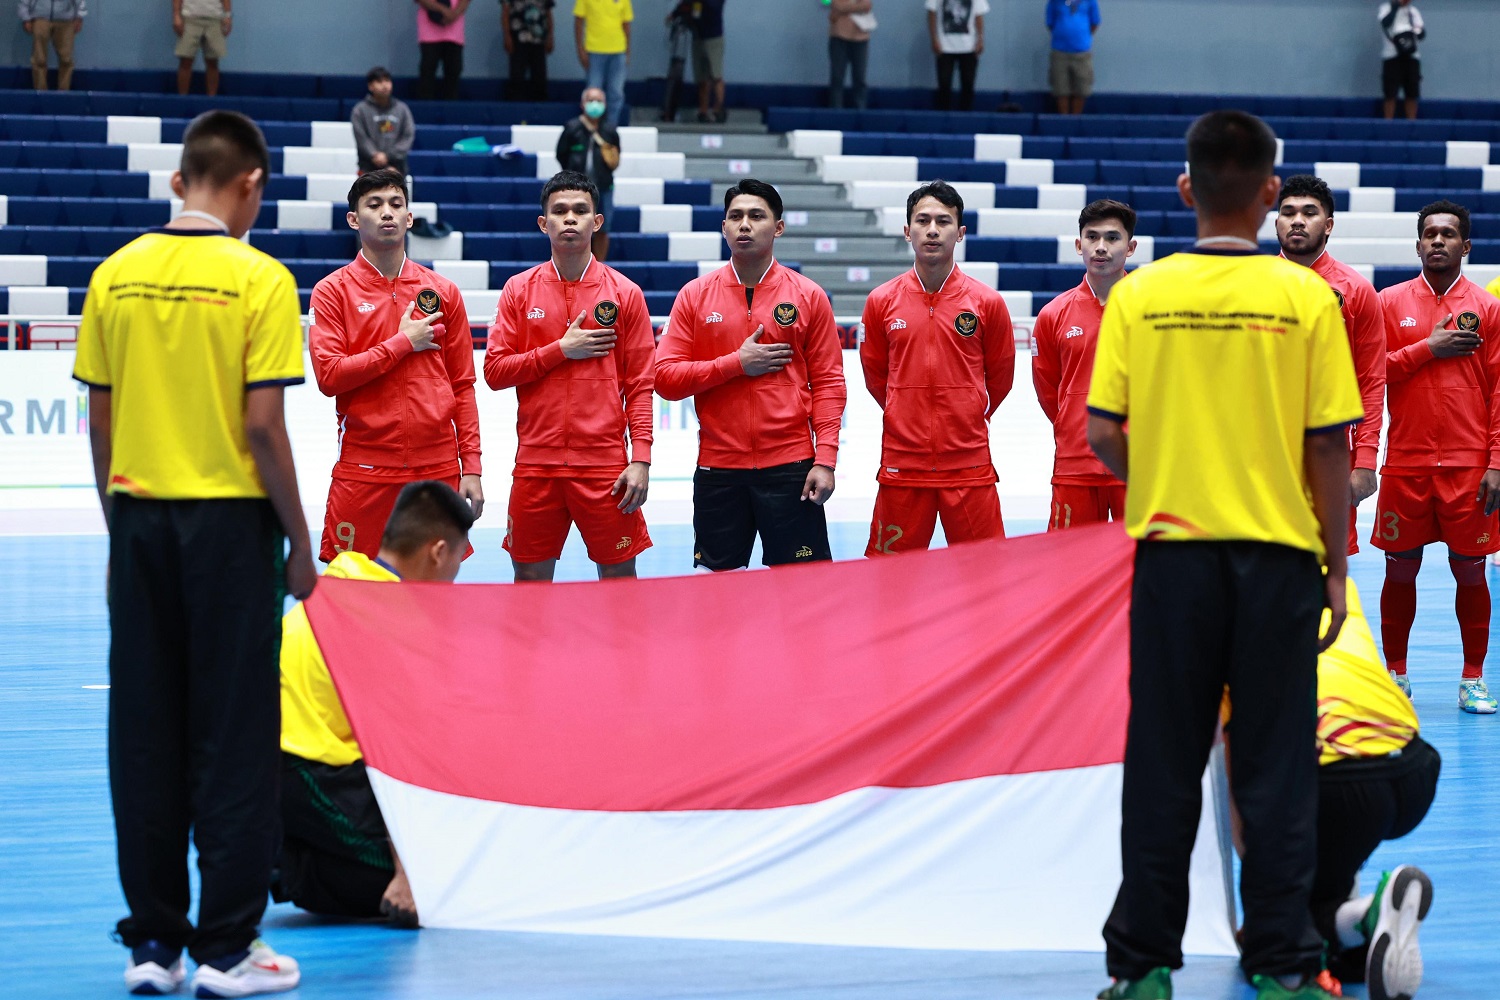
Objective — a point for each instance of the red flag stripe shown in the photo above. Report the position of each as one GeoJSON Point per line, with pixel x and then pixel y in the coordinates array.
{"type": "Point", "coordinates": [742, 691]}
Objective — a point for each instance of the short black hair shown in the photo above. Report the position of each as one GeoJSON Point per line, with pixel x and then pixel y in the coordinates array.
{"type": "Point", "coordinates": [756, 189]}
{"type": "Point", "coordinates": [375, 180]}
{"type": "Point", "coordinates": [570, 180]}
{"type": "Point", "coordinates": [943, 192]}
{"type": "Point", "coordinates": [424, 512]}
{"type": "Point", "coordinates": [377, 73]}
{"type": "Point", "coordinates": [219, 146]}
{"type": "Point", "coordinates": [1107, 208]}
{"type": "Point", "coordinates": [1230, 155]}
{"type": "Point", "coordinates": [1445, 207]}
{"type": "Point", "coordinates": [1308, 186]}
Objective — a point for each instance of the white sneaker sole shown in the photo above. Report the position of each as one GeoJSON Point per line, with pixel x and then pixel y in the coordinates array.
{"type": "Point", "coordinates": [150, 979]}
{"type": "Point", "coordinates": [1394, 968]}
{"type": "Point", "coordinates": [210, 982]}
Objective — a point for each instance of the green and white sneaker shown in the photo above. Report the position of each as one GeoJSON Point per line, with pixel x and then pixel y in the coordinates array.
{"type": "Point", "coordinates": [1474, 697]}
{"type": "Point", "coordinates": [1403, 682]}
{"type": "Point", "coordinates": [1393, 968]}
{"type": "Point", "coordinates": [1154, 985]}
{"type": "Point", "coordinates": [1271, 988]}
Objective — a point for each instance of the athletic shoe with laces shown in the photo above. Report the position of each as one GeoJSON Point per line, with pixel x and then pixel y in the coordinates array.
{"type": "Point", "coordinates": [1393, 969]}
{"type": "Point", "coordinates": [154, 969]}
{"type": "Point", "coordinates": [1271, 988]}
{"type": "Point", "coordinates": [1474, 697]}
{"type": "Point", "coordinates": [258, 969]}
{"type": "Point", "coordinates": [1154, 985]}
{"type": "Point", "coordinates": [1403, 682]}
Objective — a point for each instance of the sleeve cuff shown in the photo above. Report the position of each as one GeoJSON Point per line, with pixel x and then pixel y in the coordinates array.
{"type": "Point", "coordinates": [551, 355]}
{"type": "Point", "coordinates": [271, 383]}
{"type": "Point", "coordinates": [93, 385]}
{"type": "Point", "coordinates": [729, 366]}
{"type": "Point", "coordinates": [826, 455]}
{"type": "Point", "coordinates": [469, 465]}
{"type": "Point", "coordinates": [1118, 418]}
{"type": "Point", "coordinates": [1366, 457]}
{"type": "Point", "coordinates": [400, 345]}
{"type": "Point", "coordinates": [1332, 428]}
{"type": "Point", "coordinates": [640, 451]}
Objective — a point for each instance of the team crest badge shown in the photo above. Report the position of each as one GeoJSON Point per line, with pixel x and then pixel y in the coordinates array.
{"type": "Point", "coordinates": [966, 323]}
{"type": "Point", "coordinates": [1340, 296]}
{"type": "Point", "coordinates": [428, 301]}
{"type": "Point", "coordinates": [606, 312]}
{"type": "Point", "coordinates": [785, 314]}
{"type": "Point", "coordinates": [1468, 322]}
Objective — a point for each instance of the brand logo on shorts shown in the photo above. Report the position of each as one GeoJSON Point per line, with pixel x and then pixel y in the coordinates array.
{"type": "Point", "coordinates": [536, 312]}
{"type": "Point", "coordinates": [1483, 539]}
{"type": "Point", "coordinates": [785, 314]}
{"type": "Point", "coordinates": [428, 301]}
{"type": "Point", "coordinates": [897, 324]}
{"type": "Point", "coordinates": [606, 312]}
{"type": "Point", "coordinates": [367, 307]}
{"type": "Point", "coordinates": [1468, 322]}
{"type": "Point", "coordinates": [623, 543]}
{"type": "Point", "coordinates": [1075, 331]}
{"type": "Point", "coordinates": [966, 323]}
{"type": "Point", "coordinates": [804, 553]}
{"type": "Point", "coordinates": [1340, 296]}
{"type": "Point", "coordinates": [713, 318]}
{"type": "Point", "coordinates": [1408, 321]}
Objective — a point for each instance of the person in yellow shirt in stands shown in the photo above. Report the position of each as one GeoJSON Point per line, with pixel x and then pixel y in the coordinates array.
{"type": "Point", "coordinates": [335, 857]}
{"type": "Point", "coordinates": [1493, 288]}
{"type": "Point", "coordinates": [601, 31]}
{"type": "Point", "coordinates": [1376, 781]}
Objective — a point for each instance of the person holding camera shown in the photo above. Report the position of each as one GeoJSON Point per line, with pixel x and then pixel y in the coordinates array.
{"type": "Point", "coordinates": [1401, 70]}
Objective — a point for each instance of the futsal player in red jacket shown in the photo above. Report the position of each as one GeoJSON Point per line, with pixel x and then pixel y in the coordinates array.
{"type": "Point", "coordinates": [574, 338]}
{"type": "Point", "coordinates": [1441, 480]}
{"type": "Point", "coordinates": [390, 340]}
{"type": "Point", "coordinates": [1066, 331]}
{"type": "Point", "coordinates": [939, 355]}
{"type": "Point", "coordinates": [755, 344]}
{"type": "Point", "coordinates": [1304, 221]}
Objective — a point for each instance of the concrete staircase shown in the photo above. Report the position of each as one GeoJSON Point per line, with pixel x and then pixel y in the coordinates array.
{"type": "Point", "coordinates": [839, 246]}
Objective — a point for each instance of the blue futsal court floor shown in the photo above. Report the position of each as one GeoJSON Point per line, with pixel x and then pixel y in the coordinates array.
{"type": "Point", "coordinates": [59, 896]}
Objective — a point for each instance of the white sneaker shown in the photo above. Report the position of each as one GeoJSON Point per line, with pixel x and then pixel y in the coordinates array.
{"type": "Point", "coordinates": [153, 971]}
{"type": "Point", "coordinates": [261, 971]}
{"type": "Point", "coordinates": [1394, 967]}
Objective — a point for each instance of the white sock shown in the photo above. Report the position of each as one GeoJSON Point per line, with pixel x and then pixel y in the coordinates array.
{"type": "Point", "coordinates": [1346, 921]}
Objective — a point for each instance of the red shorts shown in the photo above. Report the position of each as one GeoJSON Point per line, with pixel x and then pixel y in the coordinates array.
{"type": "Point", "coordinates": [356, 514]}
{"type": "Point", "coordinates": [543, 508]}
{"type": "Point", "coordinates": [1073, 505]}
{"type": "Point", "coordinates": [1413, 511]}
{"type": "Point", "coordinates": [905, 516]}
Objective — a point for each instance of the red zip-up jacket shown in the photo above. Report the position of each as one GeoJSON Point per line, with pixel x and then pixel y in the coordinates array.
{"type": "Point", "coordinates": [569, 413]}
{"type": "Point", "coordinates": [1445, 412]}
{"type": "Point", "coordinates": [396, 407]}
{"type": "Point", "coordinates": [939, 365]}
{"type": "Point", "coordinates": [1364, 320]}
{"type": "Point", "coordinates": [1065, 335]}
{"type": "Point", "coordinates": [769, 420]}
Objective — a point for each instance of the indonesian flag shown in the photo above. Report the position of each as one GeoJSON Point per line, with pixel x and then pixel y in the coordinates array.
{"type": "Point", "coordinates": [918, 751]}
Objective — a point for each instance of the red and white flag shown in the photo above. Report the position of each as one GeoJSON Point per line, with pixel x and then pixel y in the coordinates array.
{"type": "Point", "coordinates": [918, 751]}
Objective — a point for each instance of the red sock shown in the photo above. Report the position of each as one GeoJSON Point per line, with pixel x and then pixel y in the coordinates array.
{"type": "Point", "coordinates": [1473, 607]}
{"type": "Point", "coordinates": [1398, 609]}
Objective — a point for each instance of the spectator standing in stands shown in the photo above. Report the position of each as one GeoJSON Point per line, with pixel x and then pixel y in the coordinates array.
{"type": "Point", "coordinates": [57, 20]}
{"type": "Point", "coordinates": [1071, 73]}
{"type": "Point", "coordinates": [708, 60]}
{"type": "Point", "coordinates": [383, 126]}
{"type": "Point", "coordinates": [849, 25]}
{"type": "Point", "coordinates": [440, 36]}
{"type": "Point", "coordinates": [590, 145]}
{"type": "Point", "coordinates": [527, 25]}
{"type": "Point", "coordinates": [601, 31]}
{"type": "Point", "coordinates": [201, 24]}
{"type": "Point", "coordinates": [1401, 71]}
{"type": "Point", "coordinates": [957, 30]}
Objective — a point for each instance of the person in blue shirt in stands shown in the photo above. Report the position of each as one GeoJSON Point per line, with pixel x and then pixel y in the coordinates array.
{"type": "Point", "coordinates": [1071, 73]}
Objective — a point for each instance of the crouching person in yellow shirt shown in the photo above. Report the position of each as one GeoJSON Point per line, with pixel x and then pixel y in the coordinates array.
{"type": "Point", "coordinates": [336, 858]}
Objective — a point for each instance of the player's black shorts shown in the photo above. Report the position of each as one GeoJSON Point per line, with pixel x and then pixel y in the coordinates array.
{"type": "Point", "coordinates": [730, 506]}
{"type": "Point", "coordinates": [1403, 73]}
